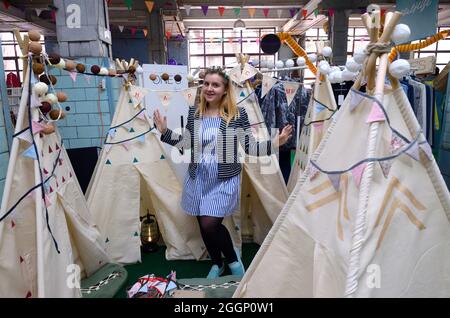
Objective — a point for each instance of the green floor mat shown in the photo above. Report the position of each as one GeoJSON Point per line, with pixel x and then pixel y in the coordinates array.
{"type": "Point", "coordinates": [221, 287]}
{"type": "Point", "coordinates": [104, 283]}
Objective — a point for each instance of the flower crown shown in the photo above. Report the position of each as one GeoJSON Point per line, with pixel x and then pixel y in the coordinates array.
{"type": "Point", "coordinates": [217, 69]}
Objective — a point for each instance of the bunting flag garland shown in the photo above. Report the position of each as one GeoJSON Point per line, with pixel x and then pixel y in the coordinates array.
{"type": "Point", "coordinates": [266, 12]}
{"type": "Point", "coordinates": [290, 88]}
{"type": "Point", "coordinates": [335, 179]}
{"type": "Point", "coordinates": [141, 115]}
{"type": "Point", "coordinates": [108, 162]}
{"type": "Point", "coordinates": [137, 94]}
{"type": "Point", "coordinates": [355, 100]}
{"type": "Point", "coordinates": [30, 152]}
{"type": "Point", "coordinates": [87, 78]}
{"type": "Point", "coordinates": [204, 9]}
{"type": "Point", "coordinates": [221, 10]}
{"type": "Point", "coordinates": [385, 167]}
{"type": "Point", "coordinates": [279, 13]}
{"type": "Point", "coordinates": [357, 173]}
{"type": "Point", "coordinates": [37, 127]}
{"type": "Point", "coordinates": [121, 27]}
{"type": "Point", "coordinates": [133, 31]}
{"type": "Point", "coordinates": [267, 83]}
{"type": "Point", "coordinates": [38, 11]}
{"type": "Point", "coordinates": [112, 132]}
{"type": "Point", "coordinates": [318, 126]}
{"type": "Point", "coordinates": [304, 13]}
{"type": "Point", "coordinates": [129, 4]}
{"type": "Point", "coordinates": [145, 32]}
{"type": "Point", "coordinates": [190, 95]}
{"type": "Point", "coordinates": [314, 172]}
{"type": "Point", "coordinates": [141, 139]}
{"type": "Point", "coordinates": [107, 148]}
{"type": "Point", "coordinates": [149, 5]}
{"type": "Point", "coordinates": [292, 12]}
{"type": "Point", "coordinates": [235, 74]}
{"type": "Point", "coordinates": [316, 12]}
{"type": "Point", "coordinates": [165, 98]}
{"type": "Point", "coordinates": [413, 151]}
{"type": "Point", "coordinates": [331, 12]}
{"type": "Point", "coordinates": [376, 114]}
{"type": "Point", "coordinates": [187, 8]}
{"type": "Point", "coordinates": [125, 144]}
{"type": "Point", "coordinates": [427, 150]}
{"type": "Point", "coordinates": [73, 75]}
{"type": "Point", "coordinates": [248, 72]}
{"type": "Point", "coordinates": [396, 142]}
{"type": "Point", "coordinates": [251, 12]}
{"type": "Point", "coordinates": [318, 107]}
{"type": "Point", "coordinates": [237, 11]}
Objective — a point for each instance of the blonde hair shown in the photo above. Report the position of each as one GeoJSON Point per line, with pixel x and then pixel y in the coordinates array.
{"type": "Point", "coordinates": [228, 108]}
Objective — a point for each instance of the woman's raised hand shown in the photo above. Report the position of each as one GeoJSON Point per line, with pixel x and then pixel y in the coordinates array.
{"type": "Point", "coordinates": [286, 133]}
{"type": "Point", "coordinates": [160, 122]}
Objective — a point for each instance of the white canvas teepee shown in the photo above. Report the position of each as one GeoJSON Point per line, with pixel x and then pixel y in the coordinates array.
{"type": "Point", "coordinates": [369, 217]}
{"type": "Point", "coordinates": [263, 192]}
{"type": "Point", "coordinates": [318, 117]}
{"type": "Point", "coordinates": [133, 177]}
{"type": "Point", "coordinates": [46, 233]}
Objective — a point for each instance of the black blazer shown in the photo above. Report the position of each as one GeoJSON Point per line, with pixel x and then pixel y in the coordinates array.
{"type": "Point", "coordinates": [238, 130]}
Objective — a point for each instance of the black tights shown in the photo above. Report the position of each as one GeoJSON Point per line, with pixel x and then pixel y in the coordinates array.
{"type": "Point", "coordinates": [217, 239]}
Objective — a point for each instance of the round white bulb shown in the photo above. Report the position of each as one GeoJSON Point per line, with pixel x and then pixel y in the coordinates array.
{"type": "Point", "coordinates": [335, 69]}
{"type": "Point", "coordinates": [347, 75]}
{"type": "Point", "coordinates": [279, 64]}
{"type": "Point", "coordinates": [301, 61]}
{"type": "Point", "coordinates": [401, 33]}
{"type": "Point", "coordinates": [332, 77]}
{"type": "Point", "coordinates": [40, 88]}
{"type": "Point", "coordinates": [139, 69]}
{"type": "Point", "coordinates": [337, 76]}
{"type": "Point", "coordinates": [270, 64]}
{"type": "Point", "coordinates": [312, 57]}
{"type": "Point", "coordinates": [61, 64]}
{"type": "Point", "coordinates": [290, 63]}
{"type": "Point", "coordinates": [359, 55]}
{"type": "Point", "coordinates": [103, 71]}
{"type": "Point", "coordinates": [327, 51]}
{"type": "Point", "coordinates": [399, 68]}
{"type": "Point", "coordinates": [324, 67]}
{"type": "Point", "coordinates": [51, 98]}
{"type": "Point", "coordinates": [190, 78]}
{"type": "Point", "coordinates": [352, 66]}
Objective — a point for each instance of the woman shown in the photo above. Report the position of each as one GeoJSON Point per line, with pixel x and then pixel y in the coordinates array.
{"type": "Point", "coordinates": [211, 188]}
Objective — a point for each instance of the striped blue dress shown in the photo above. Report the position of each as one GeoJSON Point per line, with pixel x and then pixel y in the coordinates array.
{"type": "Point", "coordinates": [206, 195]}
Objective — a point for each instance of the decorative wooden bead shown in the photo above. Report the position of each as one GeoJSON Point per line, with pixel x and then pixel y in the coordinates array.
{"type": "Point", "coordinates": [177, 78]}
{"type": "Point", "coordinates": [70, 65]}
{"type": "Point", "coordinates": [34, 35]}
{"type": "Point", "coordinates": [62, 97]}
{"type": "Point", "coordinates": [55, 113]}
{"type": "Point", "coordinates": [45, 107]}
{"type": "Point", "coordinates": [95, 69]}
{"type": "Point", "coordinates": [165, 77]}
{"type": "Point", "coordinates": [153, 77]}
{"type": "Point", "coordinates": [54, 58]}
{"type": "Point", "coordinates": [38, 68]}
{"type": "Point", "coordinates": [35, 47]}
{"type": "Point", "coordinates": [80, 68]}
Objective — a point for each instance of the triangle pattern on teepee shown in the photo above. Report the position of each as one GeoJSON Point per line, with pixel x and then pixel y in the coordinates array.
{"type": "Point", "coordinates": [60, 247]}
{"type": "Point", "coordinates": [327, 243]}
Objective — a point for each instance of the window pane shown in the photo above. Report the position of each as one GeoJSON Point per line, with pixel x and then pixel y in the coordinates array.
{"type": "Point", "coordinates": [268, 60]}
{"type": "Point", "coordinates": [8, 50]}
{"type": "Point", "coordinates": [267, 31]}
{"type": "Point", "coordinates": [195, 34]}
{"type": "Point", "coordinates": [213, 34]}
{"type": "Point", "coordinates": [197, 61]}
{"type": "Point", "coordinates": [9, 64]}
{"type": "Point", "coordinates": [213, 48]}
{"type": "Point", "coordinates": [311, 32]}
{"type": "Point", "coordinates": [251, 47]}
{"type": "Point", "coordinates": [310, 46]}
{"type": "Point", "coordinates": [250, 33]}
{"type": "Point", "coordinates": [443, 58]}
{"type": "Point", "coordinates": [425, 54]}
{"type": "Point", "coordinates": [228, 33]}
{"type": "Point", "coordinates": [361, 44]}
{"type": "Point", "coordinates": [322, 33]}
{"type": "Point", "coordinates": [213, 61]}
{"type": "Point", "coordinates": [360, 31]}
{"type": "Point", "coordinates": [431, 47]}
{"type": "Point", "coordinates": [235, 47]}
{"type": "Point", "coordinates": [230, 61]}
{"type": "Point", "coordinates": [196, 48]}
{"type": "Point", "coordinates": [350, 45]}
{"type": "Point", "coordinates": [444, 45]}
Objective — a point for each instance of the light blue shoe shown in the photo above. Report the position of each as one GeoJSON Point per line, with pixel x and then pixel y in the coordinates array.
{"type": "Point", "coordinates": [237, 268]}
{"type": "Point", "coordinates": [215, 272]}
